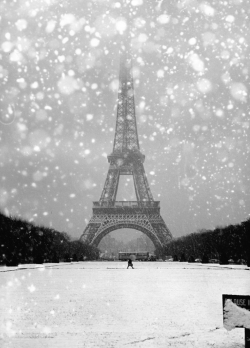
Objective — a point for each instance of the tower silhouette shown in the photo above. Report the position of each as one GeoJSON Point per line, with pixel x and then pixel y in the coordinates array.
{"type": "Point", "coordinates": [143, 214]}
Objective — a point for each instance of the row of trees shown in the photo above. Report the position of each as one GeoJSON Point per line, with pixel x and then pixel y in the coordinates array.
{"type": "Point", "coordinates": [231, 242]}
{"type": "Point", "coordinates": [25, 242]}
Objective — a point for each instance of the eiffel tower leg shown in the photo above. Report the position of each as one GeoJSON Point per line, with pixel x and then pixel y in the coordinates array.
{"type": "Point", "coordinates": [141, 183]}
{"type": "Point", "coordinates": [111, 185]}
{"type": "Point", "coordinates": [90, 232]}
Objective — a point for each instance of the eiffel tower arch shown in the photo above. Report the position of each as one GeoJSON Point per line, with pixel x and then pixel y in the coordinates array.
{"type": "Point", "coordinates": [142, 214]}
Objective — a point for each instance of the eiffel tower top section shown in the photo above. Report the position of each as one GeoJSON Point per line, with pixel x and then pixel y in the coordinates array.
{"type": "Point", "coordinates": [126, 135]}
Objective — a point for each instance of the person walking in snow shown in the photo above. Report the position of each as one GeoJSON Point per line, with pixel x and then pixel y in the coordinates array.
{"type": "Point", "coordinates": [130, 263]}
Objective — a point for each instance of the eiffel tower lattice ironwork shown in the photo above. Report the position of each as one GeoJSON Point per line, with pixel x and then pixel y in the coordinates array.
{"type": "Point", "coordinates": [126, 159]}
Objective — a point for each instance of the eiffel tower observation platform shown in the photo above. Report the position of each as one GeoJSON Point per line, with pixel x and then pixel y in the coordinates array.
{"type": "Point", "coordinates": [142, 214]}
{"type": "Point", "coordinates": [126, 207]}
{"type": "Point", "coordinates": [127, 204]}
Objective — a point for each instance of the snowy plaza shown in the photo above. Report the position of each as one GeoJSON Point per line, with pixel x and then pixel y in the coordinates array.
{"type": "Point", "coordinates": [102, 304]}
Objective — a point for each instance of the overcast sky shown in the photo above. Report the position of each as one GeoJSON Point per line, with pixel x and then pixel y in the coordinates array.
{"type": "Point", "coordinates": [59, 67]}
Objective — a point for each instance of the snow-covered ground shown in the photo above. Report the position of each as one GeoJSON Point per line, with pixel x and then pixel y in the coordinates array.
{"type": "Point", "coordinates": [102, 304]}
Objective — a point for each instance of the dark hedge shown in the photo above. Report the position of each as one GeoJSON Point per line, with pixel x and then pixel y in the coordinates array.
{"type": "Point", "coordinates": [223, 244]}
{"type": "Point", "coordinates": [24, 242]}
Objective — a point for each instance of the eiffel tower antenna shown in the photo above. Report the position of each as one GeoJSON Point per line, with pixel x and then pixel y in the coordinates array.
{"type": "Point", "coordinates": [143, 214]}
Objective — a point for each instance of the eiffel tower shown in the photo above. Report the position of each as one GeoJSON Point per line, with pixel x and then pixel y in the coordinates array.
{"type": "Point", "coordinates": [143, 214]}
